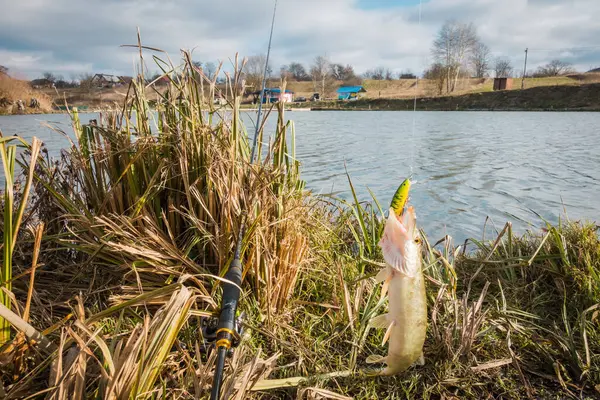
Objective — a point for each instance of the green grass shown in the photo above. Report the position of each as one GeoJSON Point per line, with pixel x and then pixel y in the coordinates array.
{"type": "Point", "coordinates": [140, 217]}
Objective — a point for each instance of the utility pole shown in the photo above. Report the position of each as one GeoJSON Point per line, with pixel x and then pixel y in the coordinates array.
{"type": "Point", "coordinates": [524, 70]}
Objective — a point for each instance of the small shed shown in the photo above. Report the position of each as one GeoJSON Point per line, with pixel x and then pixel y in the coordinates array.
{"type": "Point", "coordinates": [350, 92]}
{"type": "Point", "coordinates": [274, 95]}
{"type": "Point", "coordinates": [502, 84]}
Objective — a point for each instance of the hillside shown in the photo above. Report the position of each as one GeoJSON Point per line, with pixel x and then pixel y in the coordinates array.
{"type": "Point", "coordinates": [12, 90]}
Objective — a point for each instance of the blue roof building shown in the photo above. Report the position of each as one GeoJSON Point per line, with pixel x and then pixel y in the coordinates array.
{"type": "Point", "coordinates": [273, 95]}
{"type": "Point", "coordinates": [350, 92]}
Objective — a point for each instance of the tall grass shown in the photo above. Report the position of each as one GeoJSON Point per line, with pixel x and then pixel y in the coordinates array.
{"type": "Point", "coordinates": [12, 218]}
{"type": "Point", "coordinates": [157, 195]}
{"type": "Point", "coordinates": [143, 199]}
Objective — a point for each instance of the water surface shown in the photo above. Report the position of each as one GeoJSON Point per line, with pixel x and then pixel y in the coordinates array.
{"type": "Point", "coordinates": [467, 165]}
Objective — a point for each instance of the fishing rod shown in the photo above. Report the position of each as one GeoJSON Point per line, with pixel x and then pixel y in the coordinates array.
{"type": "Point", "coordinates": [226, 328]}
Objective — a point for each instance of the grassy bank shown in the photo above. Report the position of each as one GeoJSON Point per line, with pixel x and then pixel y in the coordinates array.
{"type": "Point", "coordinates": [114, 265]}
{"type": "Point", "coordinates": [392, 95]}
{"type": "Point", "coordinates": [542, 98]}
{"type": "Point", "coordinates": [12, 90]}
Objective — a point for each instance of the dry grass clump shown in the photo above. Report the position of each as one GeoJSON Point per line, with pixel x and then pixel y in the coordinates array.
{"type": "Point", "coordinates": [142, 200]}
{"type": "Point", "coordinates": [12, 90]}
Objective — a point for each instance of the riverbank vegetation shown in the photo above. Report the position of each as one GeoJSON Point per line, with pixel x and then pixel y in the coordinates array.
{"type": "Point", "coordinates": [113, 252]}
{"type": "Point", "coordinates": [18, 97]}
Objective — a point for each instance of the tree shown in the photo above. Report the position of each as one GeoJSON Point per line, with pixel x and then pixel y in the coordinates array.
{"type": "Point", "coordinates": [452, 47]}
{"type": "Point", "coordinates": [554, 68]}
{"type": "Point", "coordinates": [389, 75]}
{"type": "Point", "coordinates": [210, 69]}
{"type": "Point", "coordinates": [341, 73]}
{"type": "Point", "coordinates": [480, 58]}
{"type": "Point", "coordinates": [337, 71]}
{"type": "Point", "coordinates": [85, 80]}
{"type": "Point", "coordinates": [284, 73]}
{"type": "Point", "coordinates": [377, 74]}
{"type": "Point", "coordinates": [503, 68]}
{"type": "Point", "coordinates": [294, 71]}
{"type": "Point", "coordinates": [254, 71]}
{"type": "Point", "coordinates": [49, 77]}
{"type": "Point", "coordinates": [320, 72]}
{"type": "Point", "coordinates": [298, 72]}
{"type": "Point", "coordinates": [438, 74]}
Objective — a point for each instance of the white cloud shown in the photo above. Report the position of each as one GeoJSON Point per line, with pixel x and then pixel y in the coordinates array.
{"type": "Point", "coordinates": [69, 37]}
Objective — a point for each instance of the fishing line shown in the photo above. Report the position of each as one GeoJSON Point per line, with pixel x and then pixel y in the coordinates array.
{"type": "Point", "coordinates": [412, 135]}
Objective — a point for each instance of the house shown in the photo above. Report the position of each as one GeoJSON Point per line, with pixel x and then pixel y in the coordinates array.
{"type": "Point", "coordinates": [273, 95]}
{"type": "Point", "coordinates": [350, 92]}
{"type": "Point", "coordinates": [106, 80]}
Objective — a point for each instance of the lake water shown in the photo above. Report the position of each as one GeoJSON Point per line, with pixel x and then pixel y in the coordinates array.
{"type": "Point", "coordinates": [466, 165]}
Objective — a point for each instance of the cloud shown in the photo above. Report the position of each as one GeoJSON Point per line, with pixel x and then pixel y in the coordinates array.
{"type": "Point", "coordinates": [68, 37]}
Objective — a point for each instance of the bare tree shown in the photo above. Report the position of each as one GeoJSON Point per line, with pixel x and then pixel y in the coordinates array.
{"type": "Point", "coordinates": [298, 71]}
{"type": "Point", "coordinates": [452, 47]}
{"type": "Point", "coordinates": [49, 77]}
{"type": "Point", "coordinates": [389, 75]}
{"type": "Point", "coordinates": [377, 74]}
{"type": "Point", "coordinates": [284, 73]}
{"type": "Point", "coordinates": [343, 73]}
{"type": "Point", "coordinates": [503, 68]}
{"type": "Point", "coordinates": [85, 80]}
{"type": "Point", "coordinates": [438, 74]}
{"type": "Point", "coordinates": [480, 59]}
{"type": "Point", "coordinates": [209, 69]}
{"type": "Point", "coordinates": [554, 68]}
{"type": "Point", "coordinates": [320, 72]}
{"type": "Point", "coordinates": [255, 69]}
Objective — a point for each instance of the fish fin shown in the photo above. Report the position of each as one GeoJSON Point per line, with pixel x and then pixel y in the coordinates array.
{"type": "Point", "coordinates": [421, 360]}
{"type": "Point", "coordinates": [382, 275]}
{"type": "Point", "coordinates": [375, 359]}
{"type": "Point", "coordinates": [370, 373]}
{"type": "Point", "coordinates": [388, 332]}
{"type": "Point", "coordinates": [380, 321]}
{"type": "Point", "coordinates": [385, 286]}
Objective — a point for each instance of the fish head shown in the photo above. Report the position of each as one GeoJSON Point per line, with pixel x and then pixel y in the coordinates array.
{"type": "Point", "coordinates": [401, 243]}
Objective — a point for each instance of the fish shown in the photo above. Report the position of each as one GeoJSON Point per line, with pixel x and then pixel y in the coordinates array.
{"type": "Point", "coordinates": [403, 281]}
{"type": "Point", "coordinates": [400, 197]}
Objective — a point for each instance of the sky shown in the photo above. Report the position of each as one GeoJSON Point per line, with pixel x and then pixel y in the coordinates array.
{"type": "Point", "coordinates": [69, 38]}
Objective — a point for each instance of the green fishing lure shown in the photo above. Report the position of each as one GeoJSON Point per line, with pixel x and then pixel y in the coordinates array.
{"type": "Point", "coordinates": [400, 197]}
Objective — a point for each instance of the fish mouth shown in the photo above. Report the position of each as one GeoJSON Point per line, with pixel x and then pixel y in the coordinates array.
{"type": "Point", "coordinates": [399, 243]}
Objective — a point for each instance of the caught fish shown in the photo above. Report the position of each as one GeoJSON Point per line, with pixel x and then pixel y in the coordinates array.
{"type": "Point", "coordinates": [406, 320]}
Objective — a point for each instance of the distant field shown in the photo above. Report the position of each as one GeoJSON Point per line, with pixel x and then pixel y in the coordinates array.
{"type": "Point", "coordinates": [402, 89]}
